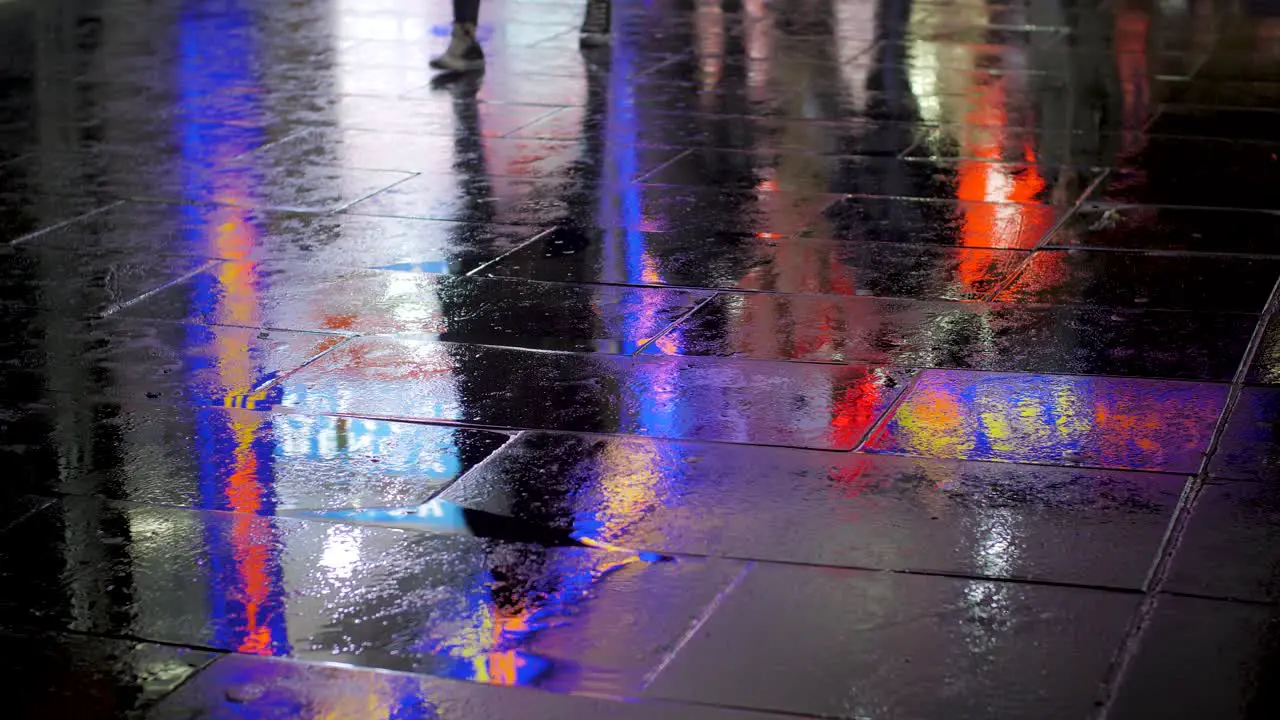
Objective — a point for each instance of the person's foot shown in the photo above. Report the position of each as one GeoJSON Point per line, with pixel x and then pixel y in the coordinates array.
{"type": "Point", "coordinates": [464, 53]}
{"type": "Point", "coordinates": [597, 24]}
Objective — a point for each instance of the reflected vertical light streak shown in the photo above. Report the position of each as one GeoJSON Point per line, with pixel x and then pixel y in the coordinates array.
{"type": "Point", "coordinates": [489, 650]}
{"type": "Point", "coordinates": [245, 576]}
{"type": "Point", "coordinates": [1131, 30]}
{"type": "Point", "coordinates": [629, 479]}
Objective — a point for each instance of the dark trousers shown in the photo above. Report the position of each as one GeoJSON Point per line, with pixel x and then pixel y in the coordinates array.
{"type": "Point", "coordinates": [466, 11]}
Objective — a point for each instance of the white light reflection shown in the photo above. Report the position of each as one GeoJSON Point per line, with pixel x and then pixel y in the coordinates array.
{"type": "Point", "coordinates": [709, 25]}
{"type": "Point", "coordinates": [340, 554]}
{"type": "Point", "coordinates": [852, 21]}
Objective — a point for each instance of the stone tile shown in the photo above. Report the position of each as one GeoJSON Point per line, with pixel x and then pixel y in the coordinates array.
{"type": "Point", "coordinates": [1202, 95]}
{"type": "Point", "coordinates": [966, 224]}
{"type": "Point", "coordinates": [846, 644]}
{"type": "Point", "coordinates": [77, 676]}
{"type": "Point", "coordinates": [670, 87]}
{"type": "Point", "coordinates": [766, 403]}
{"type": "Point", "coordinates": [13, 510]}
{"type": "Point", "coordinates": [274, 689]}
{"type": "Point", "coordinates": [590, 203]}
{"type": "Point", "coordinates": [24, 215]}
{"type": "Point", "coordinates": [1055, 420]}
{"type": "Point", "coordinates": [1171, 229]}
{"type": "Point", "coordinates": [964, 335]}
{"type": "Point", "coordinates": [121, 358]}
{"type": "Point", "coordinates": [794, 155]}
{"type": "Point", "coordinates": [531, 88]}
{"type": "Point", "coordinates": [503, 200]}
{"type": "Point", "coordinates": [141, 231]}
{"type": "Point", "coordinates": [1202, 658]}
{"type": "Point", "coordinates": [878, 176]}
{"type": "Point", "coordinates": [1195, 172]}
{"type": "Point", "coordinates": [452, 605]}
{"type": "Point", "coordinates": [1113, 279]}
{"type": "Point", "coordinates": [1232, 544]}
{"type": "Point", "coordinates": [453, 161]}
{"type": "Point", "coordinates": [568, 123]}
{"type": "Point", "coordinates": [1218, 122]}
{"type": "Point", "coordinates": [1249, 448]}
{"type": "Point", "coordinates": [516, 313]}
{"type": "Point", "coordinates": [384, 114]}
{"type": "Point", "coordinates": [35, 275]}
{"type": "Point", "coordinates": [308, 188]}
{"type": "Point", "coordinates": [984, 139]}
{"type": "Point", "coordinates": [747, 262]}
{"type": "Point", "coordinates": [221, 174]}
{"type": "Point", "coordinates": [231, 459]}
{"type": "Point", "coordinates": [979, 519]}
{"type": "Point", "coordinates": [1265, 369]}
{"type": "Point", "coordinates": [769, 144]}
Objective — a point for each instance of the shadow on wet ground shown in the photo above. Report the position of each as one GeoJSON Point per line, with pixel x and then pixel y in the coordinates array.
{"type": "Point", "coordinates": [786, 358]}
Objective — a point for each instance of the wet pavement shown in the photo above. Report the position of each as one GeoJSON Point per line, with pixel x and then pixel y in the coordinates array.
{"type": "Point", "coordinates": [789, 358]}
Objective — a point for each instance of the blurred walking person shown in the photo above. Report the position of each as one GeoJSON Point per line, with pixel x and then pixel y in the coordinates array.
{"type": "Point", "coordinates": [464, 53]}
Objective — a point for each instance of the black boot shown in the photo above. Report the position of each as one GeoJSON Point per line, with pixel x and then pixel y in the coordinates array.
{"type": "Point", "coordinates": [464, 52]}
{"type": "Point", "coordinates": [597, 25]}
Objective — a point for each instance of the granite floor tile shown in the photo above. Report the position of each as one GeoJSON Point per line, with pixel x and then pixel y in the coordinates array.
{"type": "Point", "coordinates": [983, 181]}
{"type": "Point", "coordinates": [274, 689]}
{"type": "Point", "coordinates": [1231, 548]}
{"type": "Point", "coordinates": [126, 358]}
{"type": "Point", "coordinates": [1096, 341]}
{"type": "Point", "coordinates": [139, 232]}
{"type": "Point", "coordinates": [1055, 420]}
{"type": "Point", "coordinates": [847, 644]}
{"type": "Point", "coordinates": [969, 223]}
{"type": "Point", "coordinates": [1202, 658]}
{"type": "Point", "coordinates": [1169, 229]}
{"type": "Point", "coordinates": [1113, 279]}
{"type": "Point", "coordinates": [452, 605]}
{"type": "Point", "coordinates": [1249, 448]}
{"type": "Point", "coordinates": [748, 262]}
{"type": "Point", "coordinates": [515, 313]}
{"type": "Point", "coordinates": [113, 678]}
{"type": "Point", "coordinates": [209, 458]}
{"type": "Point", "coordinates": [1196, 173]}
{"type": "Point", "coordinates": [35, 275]}
{"type": "Point", "coordinates": [979, 519]}
{"type": "Point", "coordinates": [1265, 366]}
{"type": "Point", "coordinates": [762, 403]}
{"type": "Point", "coordinates": [591, 202]}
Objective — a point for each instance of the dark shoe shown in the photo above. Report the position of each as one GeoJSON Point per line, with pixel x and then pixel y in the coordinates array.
{"type": "Point", "coordinates": [597, 25]}
{"type": "Point", "coordinates": [464, 53]}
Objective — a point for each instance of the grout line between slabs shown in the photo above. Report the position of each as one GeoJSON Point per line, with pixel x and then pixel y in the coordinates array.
{"type": "Point", "coordinates": [190, 678]}
{"type": "Point", "coordinates": [663, 166]}
{"type": "Point", "coordinates": [280, 377]}
{"type": "Point", "coordinates": [673, 325]}
{"type": "Point", "coordinates": [501, 449]}
{"type": "Point", "coordinates": [550, 113]}
{"type": "Point", "coordinates": [906, 154]}
{"type": "Point", "coordinates": [474, 272]}
{"type": "Point", "coordinates": [1013, 276]}
{"type": "Point", "coordinates": [117, 307]}
{"type": "Point", "coordinates": [870, 433]}
{"type": "Point", "coordinates": [1159, 574]}
{"type": "Point", "coordinates": [344, 207]}
{"type": "Point", "coordinates": [58, 226]}
{"type": "Point", "coordinates": [748, 561]}
{"type": "Point", "coordinates": [695, 626]}
{"type": "Point", "coordinates": [512, 429]}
